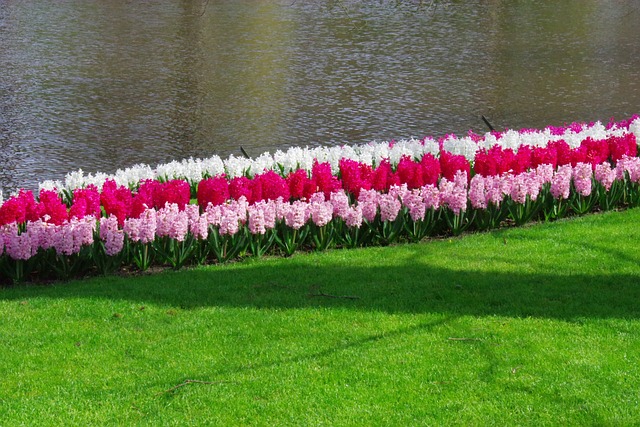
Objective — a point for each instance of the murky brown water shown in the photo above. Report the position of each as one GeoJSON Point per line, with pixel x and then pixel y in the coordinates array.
{"type": "Point", "coordinates": [104, 85]}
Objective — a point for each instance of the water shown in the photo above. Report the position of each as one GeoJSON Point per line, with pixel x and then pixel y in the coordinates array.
{"type": "Point", "coordinates": [105, 85]}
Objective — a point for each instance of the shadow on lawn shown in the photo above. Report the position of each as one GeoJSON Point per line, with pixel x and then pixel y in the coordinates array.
{"type": "Point", "coordinates": [413, 287]}
{"type": "Point", "coordinates": [584, 268]}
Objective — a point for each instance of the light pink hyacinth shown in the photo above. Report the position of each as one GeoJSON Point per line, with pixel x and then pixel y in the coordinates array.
{"type": "Point", "coordinates": [321, 212]}
{"type": "Point", "coordinates": [70, 236]}
{"type": "Point", "coordinates": [172, 222]}
{"type": "Point", "coordinates": [17, 246]}
{"type": "Point", "coordinates": [229, 222]}
{"type": "Point", "coordinates": [605, 175]}
{"type": "Point", "coordinates": [296, 215]}
{"type": "Point", "coordinates": [389, 206]}
{"type": "Point", "coordinates": [112, 237]}
{"type": "Point", "coordinates": [431, 196]}
{"type": "Point", "coordinates": [340, 202]}
{"type": "Point", "coordinates": [353, 217]}
{"type": "Point", "coordinates": [454, 193]}
{"type": "Point", "coordinates": [630, 165]}
{"type": "Point", "coordinates": [561, 182]}
{"type": "Point", "coordinates": [368, 201]}
{"type": "Point", "coordinates": [42, 234]}
{"type": "Point", "coordinates": [256, 218]}
{"type": "Point", "coordinates": [582, 174]}
{"type": "Point", "coordinates": [142, 229]}
{"type": "Point", "coordinates": [415, 203]}
{"type": "Point", "coordinates": [477, 193]}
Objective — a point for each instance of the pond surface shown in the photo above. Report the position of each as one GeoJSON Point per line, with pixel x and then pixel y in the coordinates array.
{"type": "Point", "coordinates": [102, 85]}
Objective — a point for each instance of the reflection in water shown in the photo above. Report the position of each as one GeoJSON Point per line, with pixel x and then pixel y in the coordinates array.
{"type": "Point", "coordinates": [104, 85]}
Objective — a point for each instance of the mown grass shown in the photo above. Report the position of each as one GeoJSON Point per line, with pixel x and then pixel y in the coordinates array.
{"type": "Point", "coordinates": [537, 325]}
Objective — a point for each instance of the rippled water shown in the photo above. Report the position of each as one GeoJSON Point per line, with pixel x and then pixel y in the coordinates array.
{"type": "Point", "coordinates": [104, 85]}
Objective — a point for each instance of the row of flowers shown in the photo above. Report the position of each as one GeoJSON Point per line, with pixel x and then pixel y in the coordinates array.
{"type": "Point", "coordinates": [353, 177]}
{"type": "Point", "coordinates": [362, 204]}
{"type": "Point", "coordinates": [373, 154]}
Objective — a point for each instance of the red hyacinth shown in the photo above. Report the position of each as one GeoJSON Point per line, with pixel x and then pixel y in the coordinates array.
{"type": "Point", "coordinates": [544, 156]}
{"type": "Point", "coordinates": [274, 186]}
{"type": "Point", "coordinates": [19, 208]}
{"type": "Point", "coordinates": [116, 200]}
{"type": "Point", "coordinates": [430, 169]}
{"type": "Point", "coordinates": [451, 163]}
{"type": "Point", "coordinates": [296, 180]}
{"type": "Point", "coordinates": [323, 177]}
{"type": "Point", "coordinates": [175, 191]}
{"type": "Point", "coordinates": [213, 190]}
{"type": "Point", "coordinates": [53, 206]}
{"type": "Point", "coordinates": [410, 172]}
{"type": "Point", "coordinates": [86, 202]}
{"type": "Point", "coordinates": [240, 186]}
{"type": "Point", "coordinates": [382, 176]}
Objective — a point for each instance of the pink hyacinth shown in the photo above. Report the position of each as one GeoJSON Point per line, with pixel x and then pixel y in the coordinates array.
{"type": "Point", "coordinates": [605, 175]}
{"type": "Point", "coordinates": [322, 180]}
{"type": "Point", "coordinates": [414, 202]}
{"type": "Point", "coordinates": [229, 222]}
{"type": "Point", "coordinates": [340, 202]}
{"type": "Point", "coordinates": [321, 212]}
{"type": "Point", "coordinates": [431, 196]}
{"type": "Point", "coordinates": [172, 222]}
{"type": "Point", "coordinates": [353, 217]}
{"type": "Point", "coordinates": [582, 174]}
{"type": "Point", "coordinates": [297, 215]}
{"type": "Point", "coordinates": [454, 193]}
{"type": "Point", "coordinates": [256, 219]}
{"type": "Point", "coordinates": [561, 182]}
{"type": "Point", "coordinates": [389, 207]}
{"type": "Point", "coordinates": [368, 201]}
{"type": "Point", "coordinates": [213, 190]}
{"type": "Point", "coordinates": [630, 165]}
{"type": "Point", "coordinates": [86, 201]}
{"type": "Point", "coordinates": [112, 237]}
{"type": "Point", "coordinates": [477, 195]}
{"type": "Point", "coordinates": [116, 200]}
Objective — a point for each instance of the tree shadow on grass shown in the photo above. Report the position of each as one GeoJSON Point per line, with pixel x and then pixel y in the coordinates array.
{"type": "Point", "coordinates": [409, 288]}
{"type": "Point", "coordinates": [585, 268]}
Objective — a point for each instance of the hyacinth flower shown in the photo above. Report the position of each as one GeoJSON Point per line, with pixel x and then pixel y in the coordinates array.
{"type": "Point", "coordinates": [610, 191]}
{"type": "Point", "coordinates": [293, 228]}
{"type": "Point", "coordinates": [582, 198]}
{"type": "Point", "coordinates": [628, 171]}
{"type": "Point", "coordinates": [454, 198]}
{"type": "Point", "coordinates": [174, 244]}
{"type": "Point", "coordinates": [322, 226]}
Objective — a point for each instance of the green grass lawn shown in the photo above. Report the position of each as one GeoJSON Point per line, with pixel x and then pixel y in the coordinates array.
{"type": "Point", "coordinates": [531, 326]}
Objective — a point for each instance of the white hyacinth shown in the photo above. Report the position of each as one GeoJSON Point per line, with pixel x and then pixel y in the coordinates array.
{"type": "Point", "coordinates": [373, 153]}
{"type": "Point", "coordinates": [635, 128]}
{"type": "Point", "coordinates": [213, 166]}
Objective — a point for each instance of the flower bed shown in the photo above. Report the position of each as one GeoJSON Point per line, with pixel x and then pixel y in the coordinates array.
{"type": "Point", "coordinates": [203, 211]}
